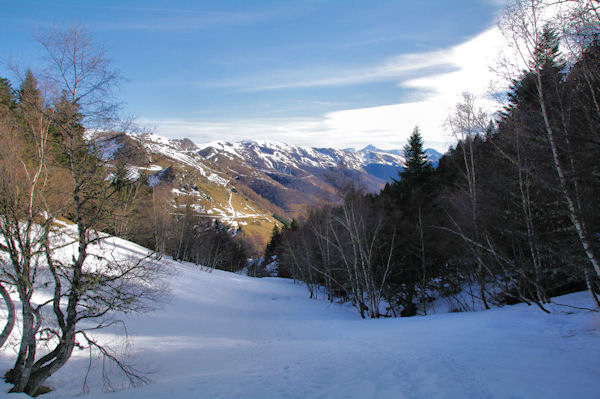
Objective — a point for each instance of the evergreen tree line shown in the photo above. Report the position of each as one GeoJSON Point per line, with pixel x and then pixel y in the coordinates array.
{"type": "Point", "coordinates": [510, 214]}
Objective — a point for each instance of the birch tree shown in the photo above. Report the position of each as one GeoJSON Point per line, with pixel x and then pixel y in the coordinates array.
{"type": "Point", "coordinates": [467, 123]}
{"type": "Point", "coordinates": [524, 26]}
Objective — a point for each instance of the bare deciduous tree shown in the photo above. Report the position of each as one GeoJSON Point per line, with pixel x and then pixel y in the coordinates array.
{"type": "Point", "coordinates": [56, 174]}
{"type": "Point", "coordinates": [467, 123]}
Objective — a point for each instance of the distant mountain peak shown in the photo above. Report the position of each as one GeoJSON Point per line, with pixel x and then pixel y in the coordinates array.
{"type": "Point", "coordinates": [370, 147]}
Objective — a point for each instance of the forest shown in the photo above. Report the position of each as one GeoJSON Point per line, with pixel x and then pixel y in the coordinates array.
{"type": "Point", "coordinates": [510, 214]}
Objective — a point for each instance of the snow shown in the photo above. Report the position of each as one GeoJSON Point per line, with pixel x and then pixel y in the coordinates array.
{"type": "Point", "coordinates": [156, 138]}
{"type": "Point", "coordinates": [281, 156]}
{"type": "Point", "coordinates": [170, 149]}
{"type": "Point", "coordinates": [224, 146]}
{"type": "Point", "coordinates": [153, 180]}
{"type": "Point", "coordinates": [108, 148]}
{"type": "Point", "coordinates": [224, 335]}
{"type": "Point", "coordinates": [218, 179]}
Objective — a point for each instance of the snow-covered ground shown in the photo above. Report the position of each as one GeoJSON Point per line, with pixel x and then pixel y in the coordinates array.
{"type": "Point", "coordinates": [222, 335]}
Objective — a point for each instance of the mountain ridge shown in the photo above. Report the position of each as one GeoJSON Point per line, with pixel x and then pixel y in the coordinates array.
{"type": "Point", "coordinates": [245, 184]}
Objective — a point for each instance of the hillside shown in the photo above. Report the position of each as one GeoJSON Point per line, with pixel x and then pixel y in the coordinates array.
{"type": "Point", "coordinates": [294, 177]}
{"type": "Point", "coordinates": [244, 184]}
{"type": "Point", "coordinates": [225, 335]}
{"type": "Point", "coordinates": [175, 168]}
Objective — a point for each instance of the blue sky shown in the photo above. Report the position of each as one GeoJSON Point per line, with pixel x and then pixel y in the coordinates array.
{"type": "Point", "coordinates": [320, 73]}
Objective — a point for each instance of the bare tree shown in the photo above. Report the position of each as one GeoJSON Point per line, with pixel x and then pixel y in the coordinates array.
{"type": "Point", "coordinates": [467, 123]}
{"type": "Point", "coordinates": [65, 179]}
{"type": "Point", "coordinates": [79, 69]}
{"type": "Point", "coordinates": [7, 127]}
{"type": "Point", "coordinates": [24, 184]}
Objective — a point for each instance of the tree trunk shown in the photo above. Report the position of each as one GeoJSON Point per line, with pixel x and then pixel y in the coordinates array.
{"type": "Point", "coordinates": [47, 365]}
{"type": "Point", "coordinates": [10, 319]}
{"type": "Point", "coordinates": [577, 222]}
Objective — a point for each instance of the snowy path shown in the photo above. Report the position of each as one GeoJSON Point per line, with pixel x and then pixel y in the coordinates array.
{"type": "Point", "coordinates": [227, 336]}
{"type": "Point", "coordinates": [233, 213]}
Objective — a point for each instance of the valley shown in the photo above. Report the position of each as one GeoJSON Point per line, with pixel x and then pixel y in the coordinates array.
{"type": "Point", "coordinates": [251, 185]}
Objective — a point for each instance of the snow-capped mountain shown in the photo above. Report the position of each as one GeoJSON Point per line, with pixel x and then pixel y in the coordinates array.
{"type": "Point", "coordinates": [293, 177]}
{"type": "Point", "coordinates": [373, 165]}
{"type": "Point", "coordinates": [246, 183]}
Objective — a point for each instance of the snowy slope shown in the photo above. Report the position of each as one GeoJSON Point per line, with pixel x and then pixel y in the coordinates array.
{"type": "Point", "coordinates": [222, 335]}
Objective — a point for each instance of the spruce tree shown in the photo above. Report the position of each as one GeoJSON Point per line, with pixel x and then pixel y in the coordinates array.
{"type": "Point", "coordinates": [7, 96]}
{"type": "Point", "coordinates": [417, 168]}
{"type": "Point", "coordinates": [294, 225]}
{"type": "Point", "coordinates": [409, 202]}
{"type": "Point", "coordinates": [415, 157]}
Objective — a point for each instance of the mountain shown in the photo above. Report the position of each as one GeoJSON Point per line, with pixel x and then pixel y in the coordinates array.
{"type": "Point", "coordinates": [433, 156]}
{"type": "Point", "coordinates": [177, 170]}
{"type": "Point", "coordinates": [293, 177]}
{"type": "Point", "coordinates": [251, 184]}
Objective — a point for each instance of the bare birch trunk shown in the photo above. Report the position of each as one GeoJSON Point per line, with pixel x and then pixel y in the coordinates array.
{"type": "Point", "coordinates": [578, 223]}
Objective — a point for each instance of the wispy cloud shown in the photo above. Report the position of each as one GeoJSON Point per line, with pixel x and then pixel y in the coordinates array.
{"type": "Point", "coordinates": [437, 77]}
{"type": "Point", "coordinates": [395, 69]}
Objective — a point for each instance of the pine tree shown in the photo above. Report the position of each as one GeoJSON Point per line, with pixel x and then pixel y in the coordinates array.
{"type": "Point", "coordinates": [408, 203]}
{"type": "Point", "coordinates": [415, 158]}
{"type": "Point", "coordinates": [29, 91]}
{"type": "Point", "coordinates": [7, 96]}
{"type": "Point", "coordinates": [417, 169]}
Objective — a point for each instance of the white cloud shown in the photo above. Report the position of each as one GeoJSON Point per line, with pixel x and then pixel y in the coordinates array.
{"type": "Point", "coordinates": [396, 68]}
{"type": "Point", "coordinates": [442, 76]}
